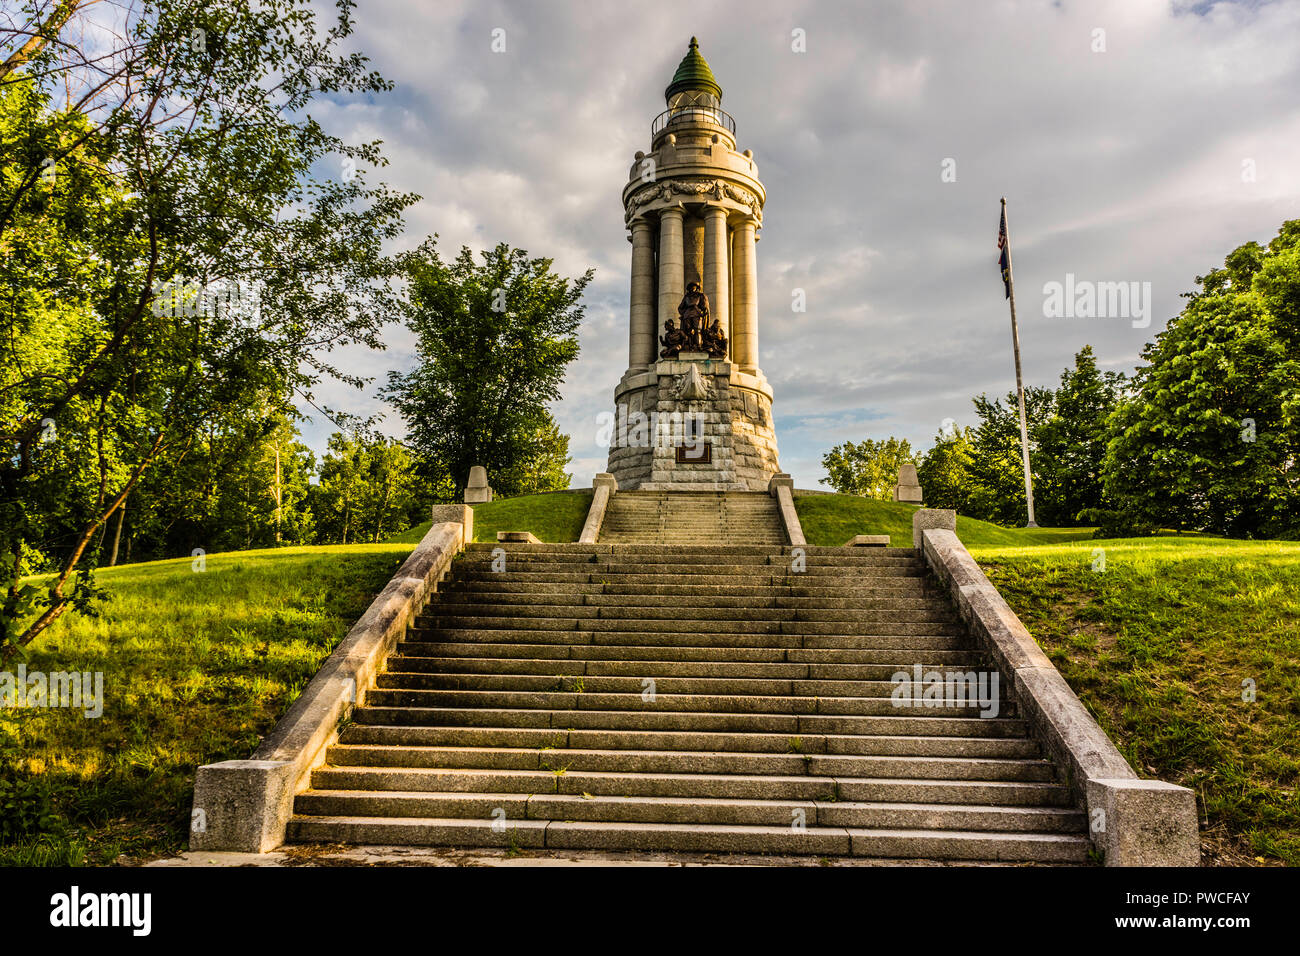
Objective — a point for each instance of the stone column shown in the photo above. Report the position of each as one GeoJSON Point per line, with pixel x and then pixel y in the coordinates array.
{"type": "Point", "coordinates": [744, 278]}
{"type": "Point", "coordinates": [715, 264]}
{"type": "Point", "coordinates": [693, 249]}
{"type": "Point", "coordinates": [727, 326]}
{"type": "Point", "coordinates": [672, 262]}
{"type": "Point", "coordinates": [641, 323]}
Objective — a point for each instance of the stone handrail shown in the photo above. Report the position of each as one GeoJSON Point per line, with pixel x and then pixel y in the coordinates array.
{"type": "Point", "coordinates": [245, 805]}
{"type": "Point", "coordinates": [605, 485]}
{"type": "Point", "coordinates": [1132, 822]}
{"type": "Point", "coordinates": [781, 487]}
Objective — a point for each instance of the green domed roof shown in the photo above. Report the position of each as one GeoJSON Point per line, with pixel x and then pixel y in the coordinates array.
{"type": "Point", "coordinates": [693, 73]}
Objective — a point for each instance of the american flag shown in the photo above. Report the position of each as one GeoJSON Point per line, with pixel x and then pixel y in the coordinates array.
{"type": "Point", "coordinates": [1004, 254]}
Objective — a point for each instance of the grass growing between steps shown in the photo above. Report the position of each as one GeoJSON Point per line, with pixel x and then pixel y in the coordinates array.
{"type": "Point", "coordinates": [831, 520]}
{"type": "Point", "coordinates": [197, 667]}
{"type": "Point", "coordinates": [1158, 646]}
{"type": "Point", "coordinates": [555, 518]}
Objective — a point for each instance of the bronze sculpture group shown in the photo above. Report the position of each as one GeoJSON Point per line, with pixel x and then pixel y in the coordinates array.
{"type": "Point", "coordinates": [696, 333]}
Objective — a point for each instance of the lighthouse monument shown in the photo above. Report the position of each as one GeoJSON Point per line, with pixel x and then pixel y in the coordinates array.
{"type": "Point", "coordinates": [693, 411]}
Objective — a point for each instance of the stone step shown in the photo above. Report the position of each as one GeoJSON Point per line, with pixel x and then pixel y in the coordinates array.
{"type": "Point", "coordinates": [765, 569]}
{"type": "Point", "coordinates": [693, 518]}
{"type": "Point", "coordinates": [678, 558]}
{"type": "Point", "coordinates": [705, 532]}
{"type": "Point", "coordinates": [792, 670]}
{"type": "Point", "coordinates": [891, 587]}
{"type": "Point", "coordinates": [675, 503]}
{"type": "Point", "coordinates": [631, 654]}
{"type": "Point", "coordinates": [649, 549]}
{"type": "Point", "coordinates": [775, 602]}
{"type": "Point", "coordinates": [700, 523]}
{"type": "Point", "coordinates": [710, 628]}
{"type": "Point", "coordinates": [712, 498]}
{"type": "Point", "coordinates": [772, 538]}
{"type": "Point", "coordinates": [718, 534]}
{"type": "Point", "coordinates": [671, 761]}
{"type": "Point", "coordinates": [739, 742]}
{"type": "Point", "coordinates": [693, 785]}
{"type": "Point", "coordinates": [704, 574]}
{"type": "Point", "coordinates": [701, 516]}
{"type": "Point", "coordinates": [719, 703]}
{"type": "Point", "coordinates": [682, 838]}
{"type": "Point", "coordinates": [487, 547]}
{"type": "Point", "coordinates": [608, 684]}
{"type": "Point", "coordinates": [734, 812]}
{"type": "Point", "coordinates": [698, 516]}
{"type": "Point", "coordinates": [873, 558]}
{"type": "Point", "coordinates": [907, 640]}
{"type": "Point", "coordinates": [704, 617]}
{"type": "Point", "coordinates": [927, 724]}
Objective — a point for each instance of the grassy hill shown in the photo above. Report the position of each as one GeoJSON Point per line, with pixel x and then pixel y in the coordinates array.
{"type": "Point", "coordinates": [554, 517]}
{"type": "Point", "coordinates": [831, 520]}
{"type": "Point", "coordinates": [197, 666]}
{"type": "Point", "coordinates": [1160, 646]}
{"type": "Point", "coordinates": [827, 520]}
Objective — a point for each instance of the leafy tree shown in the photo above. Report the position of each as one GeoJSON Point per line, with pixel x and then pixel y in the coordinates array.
{"type": "Point", "coordinates": [1071, 444]}
{"type": "Point", "coordinates": [493, 341]}
{"type": "Point", "coordinates": [368, 489]}
{"type": "Point", "coordinates": [1211, 441]}
{"type": "Point", "coordinates": [868, 468]}
{"type": "Point", "coordinates": [979, 471]}
{"type": "Point", "coordinates": [543, 469]}
{"type": "Point", "coordinates": [184, 166]}
{"type": "Point", "coordinates": [945, 471]}
{"type": "Point", "coordinates": [997, 469]}
{"type": "Point", "coordinates": [242, 482]}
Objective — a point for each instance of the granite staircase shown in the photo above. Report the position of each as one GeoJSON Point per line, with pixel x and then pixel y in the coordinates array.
{"type": "Point", "coordinates": [692, 518]}
{"type": "Point", "coordinates": [676, 697]}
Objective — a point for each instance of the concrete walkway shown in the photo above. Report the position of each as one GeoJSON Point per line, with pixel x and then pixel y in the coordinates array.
{"type": "Point", "coordinates": [338, 855]}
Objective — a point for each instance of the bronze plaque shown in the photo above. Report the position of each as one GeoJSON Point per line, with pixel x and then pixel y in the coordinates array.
{"type": "Point", "coordinates": [699, 453]}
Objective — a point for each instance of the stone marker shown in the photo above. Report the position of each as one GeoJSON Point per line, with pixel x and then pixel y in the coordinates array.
{"type": "Point", "coordinates": [518, 537]}
{"type": "Point", "coordinates": [908, 488]}
{"type": "Point", "coordinates": [478, 490]}
{"type": "Point", "coordinates": [868, 541]}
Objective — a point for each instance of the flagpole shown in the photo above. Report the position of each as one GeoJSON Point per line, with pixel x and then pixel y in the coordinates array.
{"type": "Point", "coordinates": [1020, 385]}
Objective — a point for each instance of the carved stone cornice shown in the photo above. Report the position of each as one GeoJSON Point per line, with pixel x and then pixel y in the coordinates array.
{"type": "Point", "coordinates": [717, 190]}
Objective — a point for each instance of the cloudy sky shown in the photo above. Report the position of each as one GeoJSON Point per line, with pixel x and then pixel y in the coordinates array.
{"type": "Point", "coordinates": [1135, 141]}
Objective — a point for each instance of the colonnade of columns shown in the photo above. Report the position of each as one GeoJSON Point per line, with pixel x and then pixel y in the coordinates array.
{"type": "Point", "coordinates": [729, 277]}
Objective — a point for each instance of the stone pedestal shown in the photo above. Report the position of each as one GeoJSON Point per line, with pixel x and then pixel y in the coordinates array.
{"type": "Point", "coordinates": [478, 491]}
{"type": "Point", "coordinates": [908, 488]}
{"type": "Point", "coordinates": [693, 424]}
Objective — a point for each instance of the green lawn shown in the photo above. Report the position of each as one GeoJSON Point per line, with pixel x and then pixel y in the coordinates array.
{"type": "Point", "coordinates": [197, 667]}
{"type": "Point", "coordinates": [827, 520]}
{"type": "Point", "coordinates": [831, 520]}
{"type": "Point", "coordinates": [554, 517]}
{"type": "Point", "coordinates": [1159, 644]}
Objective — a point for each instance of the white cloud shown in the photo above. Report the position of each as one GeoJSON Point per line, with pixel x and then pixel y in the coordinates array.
{"type": "Point", "coordinates": [1117, 165]}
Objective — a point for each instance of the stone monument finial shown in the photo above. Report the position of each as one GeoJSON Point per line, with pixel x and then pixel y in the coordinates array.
{"type": "Point", "coordinates": [693, 75]}
{"type": "Point", "coordinates": [478, 491]}
{"type": "Point", "coordinates": [908, 488]}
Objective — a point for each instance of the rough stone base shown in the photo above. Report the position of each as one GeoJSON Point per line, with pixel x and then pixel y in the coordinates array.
{"type": "Point", "coordinates": [652, 421]}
